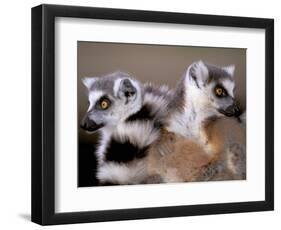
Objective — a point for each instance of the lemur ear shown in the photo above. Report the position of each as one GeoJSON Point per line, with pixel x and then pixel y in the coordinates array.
{"type": "Point", "coordinates": [127, 89]}
{"type": "Point", "coordinates": [88, 81]}
{"type": "Point", "coordinates": [198, 72]}
{"type": "Point", "coordinates": [230, 70]}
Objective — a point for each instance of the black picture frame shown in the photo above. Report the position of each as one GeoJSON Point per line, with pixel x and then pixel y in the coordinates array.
{"type": "Point", "coordinates": [43, 110]}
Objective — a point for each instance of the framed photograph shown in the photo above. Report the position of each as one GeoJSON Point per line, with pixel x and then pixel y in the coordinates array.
{"type": "Point", "coordinates": [142, 114]}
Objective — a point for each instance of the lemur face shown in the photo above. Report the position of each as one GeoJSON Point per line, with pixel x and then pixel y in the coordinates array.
{"type": "Point", "coordinates": [111, 99]}
{"type": "Point", "coordinates": [214, 88]}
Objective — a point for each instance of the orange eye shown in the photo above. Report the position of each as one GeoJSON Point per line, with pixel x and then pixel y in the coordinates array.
{"type": "Point", "coordinates": [219, 91]}
{"type": "Point", "coordinates": [104, 104]}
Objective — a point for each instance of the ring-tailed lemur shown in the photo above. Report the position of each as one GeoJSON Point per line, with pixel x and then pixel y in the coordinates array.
{"type": "Point", "coordinates": [130, 118]}
{"type": "Point", "coordinates": [203, 144]}
{"type": "Point", "coordinates": [205, 91]}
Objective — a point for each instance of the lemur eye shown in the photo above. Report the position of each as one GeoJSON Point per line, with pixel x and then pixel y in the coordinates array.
{"type": "Point", "coordinates": [220, 91]}
{"type": "Point", "coordinates": [104, 103]}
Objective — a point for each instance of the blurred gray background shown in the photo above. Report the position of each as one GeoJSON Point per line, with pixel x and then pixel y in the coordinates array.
{"type": "Point", "coordinates": [160, 64]}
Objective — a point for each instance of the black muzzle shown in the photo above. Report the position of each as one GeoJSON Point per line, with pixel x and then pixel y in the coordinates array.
{"type": "Point", "coordinates": [231, 111]}
{"type": "Point", "coordinates": [89, 125]}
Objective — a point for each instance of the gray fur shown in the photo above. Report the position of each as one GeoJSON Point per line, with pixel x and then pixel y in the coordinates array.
{"type": "Point", "coordinates": [105, 83]}
{"type": "Point", "coordinates": [105, 86]}
{"type": "Point", "coordinates": [177, 101]}
{"type": "Point", "coordinates": [195, 103]}
{"type": "Point", "coordinates": [124, 121]}
{"type": "Point", "coordinates": [194, 99]}
{"type": "Point", "coordinates": [217, 74]}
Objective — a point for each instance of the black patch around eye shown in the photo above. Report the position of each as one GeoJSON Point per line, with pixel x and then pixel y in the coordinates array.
{"type": "Point", "coordinates": [224, 92]}
{"type": "Point", "coordinates": [103, 98]}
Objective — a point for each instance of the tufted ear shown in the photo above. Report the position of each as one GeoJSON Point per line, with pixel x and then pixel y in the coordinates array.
{"type": "Point", "coordinates": [198, 73]}
{"type": "Point", "coordinates": [88, 81]}
{"type": "Point", "coordinates": [127, 89]}
{"type": "Point", "coordinates": [230, 70]}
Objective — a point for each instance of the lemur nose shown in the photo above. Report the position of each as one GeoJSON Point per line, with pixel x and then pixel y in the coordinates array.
{"type": "Point", "coordinates": [83, 124]}
{"type": "Point", "coordinates": [237, 110]}
{"type": "Point", "coordinates": [87, 123]}
{"type": "Point", "coordinates": [233, 110]}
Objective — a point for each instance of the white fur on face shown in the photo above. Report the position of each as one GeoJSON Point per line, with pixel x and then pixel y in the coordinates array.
{"type": "Point", "coordinates": [229, 86]}
{"type": "Point", "coordinates": [93, 97]}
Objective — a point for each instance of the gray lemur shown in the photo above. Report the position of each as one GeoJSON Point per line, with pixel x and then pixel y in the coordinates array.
{"type": "Point", "coordinates": [129, 117]}
{"type": "Point", "coordinates": [203, 141]}
{"type": "Point", "coordinates": [205, 91]}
